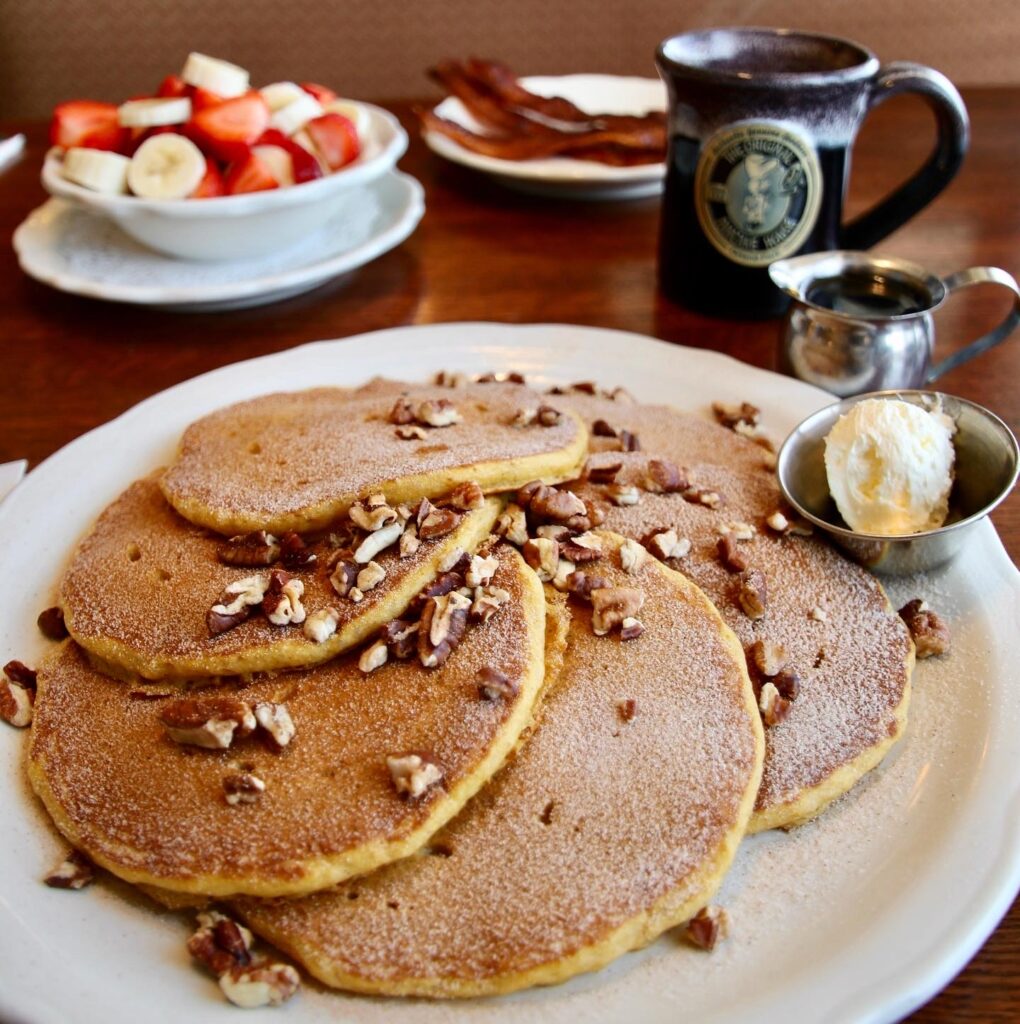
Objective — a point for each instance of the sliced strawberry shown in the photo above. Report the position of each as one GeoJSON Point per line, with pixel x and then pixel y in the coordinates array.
{"type": "Point", "coordinates": [89, 124]}
{"type": "Point", "coordinates": [229, 128]}
{"type": "Point", "coordinates": [335, 138]}
{"type": "Point", "coordinates": [321, 92]}
{"type": "Point", "coordinates": [171, 87]}
{"type": "Point", "coordinates": [249, 174]}
{"type": "Point", "coordinates": [212, 184]}
{"type": "Point", "coordinates": [306, 166]}
{"type": "Point", "coordinates": [202, 98]}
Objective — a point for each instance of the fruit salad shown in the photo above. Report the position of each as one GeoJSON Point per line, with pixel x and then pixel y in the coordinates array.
{"type": "Point", "coordinates": [207, 133]}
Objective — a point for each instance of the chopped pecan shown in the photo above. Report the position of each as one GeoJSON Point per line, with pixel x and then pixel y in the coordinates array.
{"type": "Point", "coordinates": [276, 721]}
{"type": "Point", "coordinates": [220, 943]}
{"type": "Point", "coordinates": [818, 614]}
{"type": "Point", "coordinates": [752, 593]}
{"type": "Point", "coordinates": [523, 417]}
{"type": "Point", "coordinates": [733, 415]}
{"type": "Point", "coordinates": [295, 553]}
{"type": "Point", "coordinates": [344, 577]}
{"type": "Point", "coordinates": [371, 576]}
{"type": "Point", "coordinates": [438, 523]}
{"type": "Point", "coordinates": [600, 428]}
{"type": "Point", "coordinates": [494, 685]}
{"type": "Point", "coordinates": [558, 532]}
{"type": "Point", "coordinates": [767, 657]}
{"type": "Point", "coordinates": [282, 600]}
{"type": "Point", "coordinates": [374, 656]}
{"type": "Point", "coordinates": [632, 556]}
{"type": "Point", "coordinates": [236, 603]}
{"type": "Point", "coordinates": [623, 494]}
{"type": "Point", "coordinates": [20, 674]}
{"type": "Point", "coordinates": [209, 722]}
{"type": "Point", "coordinates": [486, 601]}
{"type": "Point", "coordinates": [594, 512]}
{"type": "Point", "coordinates": [242, 788]}
{"type": "Point", "coordinates": [457, 560]}
{"type": "Point", "coordinates": [443, 621]}
{"type": "Point", "coordinates": [738, 531]}
{"type": "Point", "coordinates": [707, 927]}
{"type": "Point", "coordinates": [413, 775]}
{"type": "Point", "coordinates": [564, 570]}
{"type": "Point", "coordinates": [444, 583]}
{"type": "Point", "coordinates": [411, 432]}
{"type": "Point", "coordinates": [787, 682]}
{"type": "Point", "coordinates": [500, 378]}
{"type": "Point", "coordinates": [629, 442]}
{"type": "Point", "coordinates": [75, 871]}
{"type": "Point", "coordinates": [321, 625]}
{"type": "Point", "coordinates": [256, 548]}
{"type": "Point", "coordinates": [448, 379]}
{"type": "Point", "coordinates": [778, 522]}
{"type": "Point", "coordinates": [402, 411]}
{"type": "Point", "coordinates": [409, 542]}
{"type": "Point", "coordinates": [585, 387]}
{"type": "Point", "coordinates": [662, 477]}
{"type": "Point", "coordinates": [547, 416]}
{"type": "Point", "coordinates": [703, 496]}
{"type": "Point", "coordinates": [773, 705]}
{"type": "Point", "coordinates": [372, 516]}
{"type": "Point", "coordinates": [513, 525]}
{"type": "Point", "coordinates": [437, 412]}
{"type": "Point", "coordinates": [378, 541]}
{"type": "Point", "coordinates": [730, 555]}
{"type": "Point", "coordinates": [51, 623]}
{"type": "Point", "coordinates": [466, 496]}
{"type": "Point", "coordinates": [16, 704]}
{"type": "Point", "coordinates": [626, 709]}
{"type": "Point", "coordinates": [929, 631]}
{"type": "Point", "coordinates": [481, 570]}
{"type": "Point", "coordinates": [583, 547]}
{"type": "Point", "coordinates": [631, 628]}
{"type": "Point", "coordinates": [666, 544]}
{"type": "Point", "coordinates": [543, 555]}
{"type": "Point", "coordinates": [612, 605]}
{"type": "Point", "coordinates": [262, 984]}
{"type": "Point", "coordinates": [582, 584]}
{"type": "Point", "coordinates": [547, 504]}
{"type": "Point", "coordinates": [400, 637]}
{"type": "Point", "coordinates": [605, 473]}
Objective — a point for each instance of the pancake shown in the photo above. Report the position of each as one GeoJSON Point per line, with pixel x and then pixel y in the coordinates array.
{"type": "Point", "coordinates": [850, 649]}
{"type": "Point", "coordinates": [140, 585]}
{"type": "Point", "coordinates": [155, 812]}
{"type": "Point", "coordinates": [600, 834]}
{"type": "Point", "coordinates": [297, 460]}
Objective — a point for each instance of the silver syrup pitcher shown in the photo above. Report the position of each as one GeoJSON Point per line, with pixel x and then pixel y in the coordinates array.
{"type": "Point", "coordinates": [864, 323]}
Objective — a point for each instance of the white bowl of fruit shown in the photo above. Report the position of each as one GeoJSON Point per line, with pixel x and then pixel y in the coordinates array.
{"type": "Point", "coordinates": [211, 169]}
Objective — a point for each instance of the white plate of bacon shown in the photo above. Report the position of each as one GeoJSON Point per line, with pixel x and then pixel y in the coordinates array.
{"type": "Point", "coordinates": [567, 136]}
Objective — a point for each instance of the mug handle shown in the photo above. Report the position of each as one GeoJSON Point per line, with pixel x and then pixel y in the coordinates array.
{"type": "Point", "coordinates": [964, 279]}
{"type": "Point", "coordinates": [937, 171]}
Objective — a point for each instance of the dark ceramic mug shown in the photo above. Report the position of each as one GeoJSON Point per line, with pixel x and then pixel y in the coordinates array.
{"type": "Point", "coordinates": [761, 122]}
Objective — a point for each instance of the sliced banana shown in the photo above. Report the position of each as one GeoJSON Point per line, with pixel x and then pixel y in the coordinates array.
{"type": "Point", "coordinates": [97, 169]}
{"type": "Point", "coordinates": [279, 94]}
{"type": "Point", "coordinates": [354, 112]}
{"type": "Point", "coordinates": [154, 113]}
{"type": "Point", "coordinates": [279, 162]}
{"type": "Point", "coordinates": [296, 114]}
{"type": "Point", "coordinates": [218, 76]}
{"type": "Point", "coordinates": [166, 166]}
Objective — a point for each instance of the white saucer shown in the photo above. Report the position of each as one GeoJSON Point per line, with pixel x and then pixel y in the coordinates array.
{"type": "Point", "coordinates": [561, 177]}
{"type": "Point", "coordinates": [77, 250]}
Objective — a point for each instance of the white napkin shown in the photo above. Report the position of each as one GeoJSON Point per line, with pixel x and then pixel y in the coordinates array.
{"type": "Point", "coordinates": [10, 476]}
{"type": "Point", "coordinates": [11, 149]}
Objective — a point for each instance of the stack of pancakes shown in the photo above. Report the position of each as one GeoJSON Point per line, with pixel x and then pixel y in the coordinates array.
{"type": "Point", "coordinates": [313, 673]}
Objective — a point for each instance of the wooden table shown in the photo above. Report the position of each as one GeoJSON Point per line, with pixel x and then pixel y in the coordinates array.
{"type": "Point", "coordinates": [485, 253]}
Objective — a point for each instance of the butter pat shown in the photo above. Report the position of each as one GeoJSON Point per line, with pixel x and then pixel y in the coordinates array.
{"type": "Point", "coordinates": [890, 467]}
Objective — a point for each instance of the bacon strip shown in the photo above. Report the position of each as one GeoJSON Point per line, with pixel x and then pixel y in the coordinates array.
{"type": "Point", "coordinates": [524, 126]}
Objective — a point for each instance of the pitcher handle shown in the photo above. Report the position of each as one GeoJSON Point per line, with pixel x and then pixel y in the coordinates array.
{"type": "Point", "coordinates": [964, 279]}
{"type": "Point", "coordinates": [953, 132]}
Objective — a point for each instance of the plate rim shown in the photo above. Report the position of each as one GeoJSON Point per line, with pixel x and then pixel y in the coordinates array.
{"type": "Point", "coordinates": [933, 962]}
{"type": "Point", "coordinates": [406, 218]}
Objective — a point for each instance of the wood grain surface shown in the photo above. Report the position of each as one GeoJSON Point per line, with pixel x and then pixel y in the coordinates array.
{"type": "Point", "coordinates": [485, 253]}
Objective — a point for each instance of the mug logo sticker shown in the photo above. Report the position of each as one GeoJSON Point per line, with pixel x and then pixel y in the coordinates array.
{"type": "Point", "coordinates": [757, 191]}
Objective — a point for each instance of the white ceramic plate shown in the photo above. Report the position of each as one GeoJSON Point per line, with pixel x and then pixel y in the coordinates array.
{"type": "Point", "coordinates": [79, 250]}
{"type": "Point", "coordinates": [559, 176]}
{"type": "Point", "coordinates": [853, 919]}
